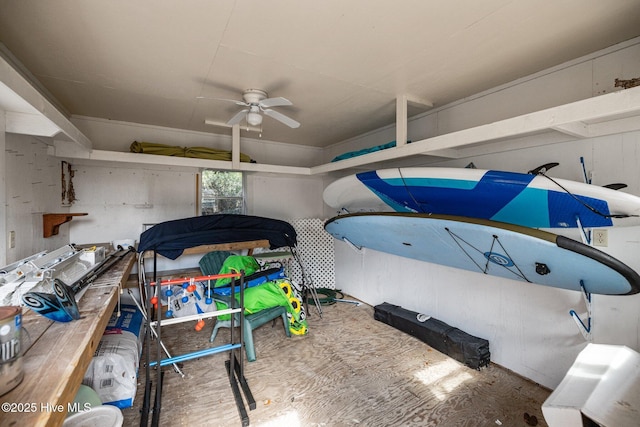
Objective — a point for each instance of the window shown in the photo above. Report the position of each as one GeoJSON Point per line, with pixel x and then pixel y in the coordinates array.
{"type": "Point", "coordinates": [222, 192]}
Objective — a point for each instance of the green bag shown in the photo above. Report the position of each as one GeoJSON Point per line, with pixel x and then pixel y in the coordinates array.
{"type": "Point", "coordinates": [234, 264]}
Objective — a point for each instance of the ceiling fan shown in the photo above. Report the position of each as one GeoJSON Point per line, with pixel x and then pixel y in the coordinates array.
{"type": "Point", "coordinates": [256, 103]}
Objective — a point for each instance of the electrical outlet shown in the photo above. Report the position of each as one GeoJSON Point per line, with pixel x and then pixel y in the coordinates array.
{"type": "Point", "coordinates": [12, 239]}
{"type": "Point", "coordinates": [600, 238]}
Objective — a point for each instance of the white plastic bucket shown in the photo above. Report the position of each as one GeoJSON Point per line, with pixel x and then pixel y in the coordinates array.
{"type": "Point", "coordinates": [99, 416]}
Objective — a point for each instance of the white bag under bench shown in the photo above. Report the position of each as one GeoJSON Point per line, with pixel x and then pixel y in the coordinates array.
{"type": "Point", "coordinates": [113, 371]}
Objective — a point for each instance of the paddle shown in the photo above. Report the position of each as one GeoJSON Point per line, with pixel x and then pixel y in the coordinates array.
{"type": "Point", "coordinates": [46, 305]}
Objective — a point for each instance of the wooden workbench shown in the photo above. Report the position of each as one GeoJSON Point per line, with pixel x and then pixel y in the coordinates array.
{"type": "Point", "coordinates": [59, 354]}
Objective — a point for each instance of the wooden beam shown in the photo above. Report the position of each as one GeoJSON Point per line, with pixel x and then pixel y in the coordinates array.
{"type": "Point", "coordinates": [18, 79]}
{"type": "Point", "coordinates": [401, 120]}
{"type": "Point", "coordinates": [30, 124]}
{"type": "Point", "coordinates": [235, 146]}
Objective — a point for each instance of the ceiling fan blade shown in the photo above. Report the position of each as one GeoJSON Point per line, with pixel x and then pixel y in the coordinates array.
{"type": "Point", "coordinates": [238, 117]}
{"type": "Point", "coordinates": [235, 101]}
{"type": "Point", "coordinates": [282, 118]}
{"type": "Point", "coordinates": [274, 102]}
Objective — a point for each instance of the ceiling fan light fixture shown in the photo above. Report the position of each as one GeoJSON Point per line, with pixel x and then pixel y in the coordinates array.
{"type": "Point", "coordinates": [254, 119]}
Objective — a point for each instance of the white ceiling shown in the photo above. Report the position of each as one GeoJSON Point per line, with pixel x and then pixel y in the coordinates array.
{"type": "Point", "coordinates": [341, 63]}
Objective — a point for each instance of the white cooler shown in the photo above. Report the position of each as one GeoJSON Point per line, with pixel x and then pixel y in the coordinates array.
{"type": "Point", "coordinates": [603, 386]}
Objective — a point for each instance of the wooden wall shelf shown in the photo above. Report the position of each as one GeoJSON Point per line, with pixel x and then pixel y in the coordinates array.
{"type": "Point", "coordinates": [51, 222]}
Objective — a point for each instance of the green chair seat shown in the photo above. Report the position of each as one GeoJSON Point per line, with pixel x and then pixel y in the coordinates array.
{"type": "Point", "coordinates": [251, 322]}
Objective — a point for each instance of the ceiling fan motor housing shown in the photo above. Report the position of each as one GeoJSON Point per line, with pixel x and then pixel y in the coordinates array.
{"type": "Point", "coordinates": [254, 96]}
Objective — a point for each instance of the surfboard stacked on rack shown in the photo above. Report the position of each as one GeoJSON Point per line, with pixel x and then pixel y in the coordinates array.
{"type": "Point", "coordinates": [492, 222]}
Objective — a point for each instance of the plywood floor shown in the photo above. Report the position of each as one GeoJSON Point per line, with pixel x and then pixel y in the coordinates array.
{"type": "Point", "coordinates": [350, 370]}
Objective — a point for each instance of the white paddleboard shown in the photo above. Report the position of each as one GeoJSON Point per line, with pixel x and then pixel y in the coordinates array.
{"type": "Point", "coordinates": [536, 201]}
{"type": "Point", "coordinates": [489, 247]}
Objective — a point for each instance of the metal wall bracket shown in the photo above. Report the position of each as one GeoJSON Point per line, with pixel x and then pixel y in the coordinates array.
{"type": "Point", "coordinates": [585, 330]}
{"type": "Point", "coordinates": [585, 234]}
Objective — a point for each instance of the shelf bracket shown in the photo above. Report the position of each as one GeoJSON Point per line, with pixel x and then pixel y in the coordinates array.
{"type": "Point", "coordinates": [51, 222]}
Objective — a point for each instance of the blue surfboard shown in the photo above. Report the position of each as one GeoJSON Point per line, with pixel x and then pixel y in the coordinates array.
{"type": "Point", "coordinates": [489, 247]}
{"type": "Point", "coordinates": [529, 200]}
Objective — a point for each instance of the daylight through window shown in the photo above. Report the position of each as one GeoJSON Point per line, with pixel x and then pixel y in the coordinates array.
{"type": "Point", "coordinates": [222, 192]}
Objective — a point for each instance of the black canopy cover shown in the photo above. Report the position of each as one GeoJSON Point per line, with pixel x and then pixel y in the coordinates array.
{"type": "Point", "coordinates": [171, 238]}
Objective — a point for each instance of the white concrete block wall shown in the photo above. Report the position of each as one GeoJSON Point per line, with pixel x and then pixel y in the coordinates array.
{"type": "Point", "coordinates": [33, 187]}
